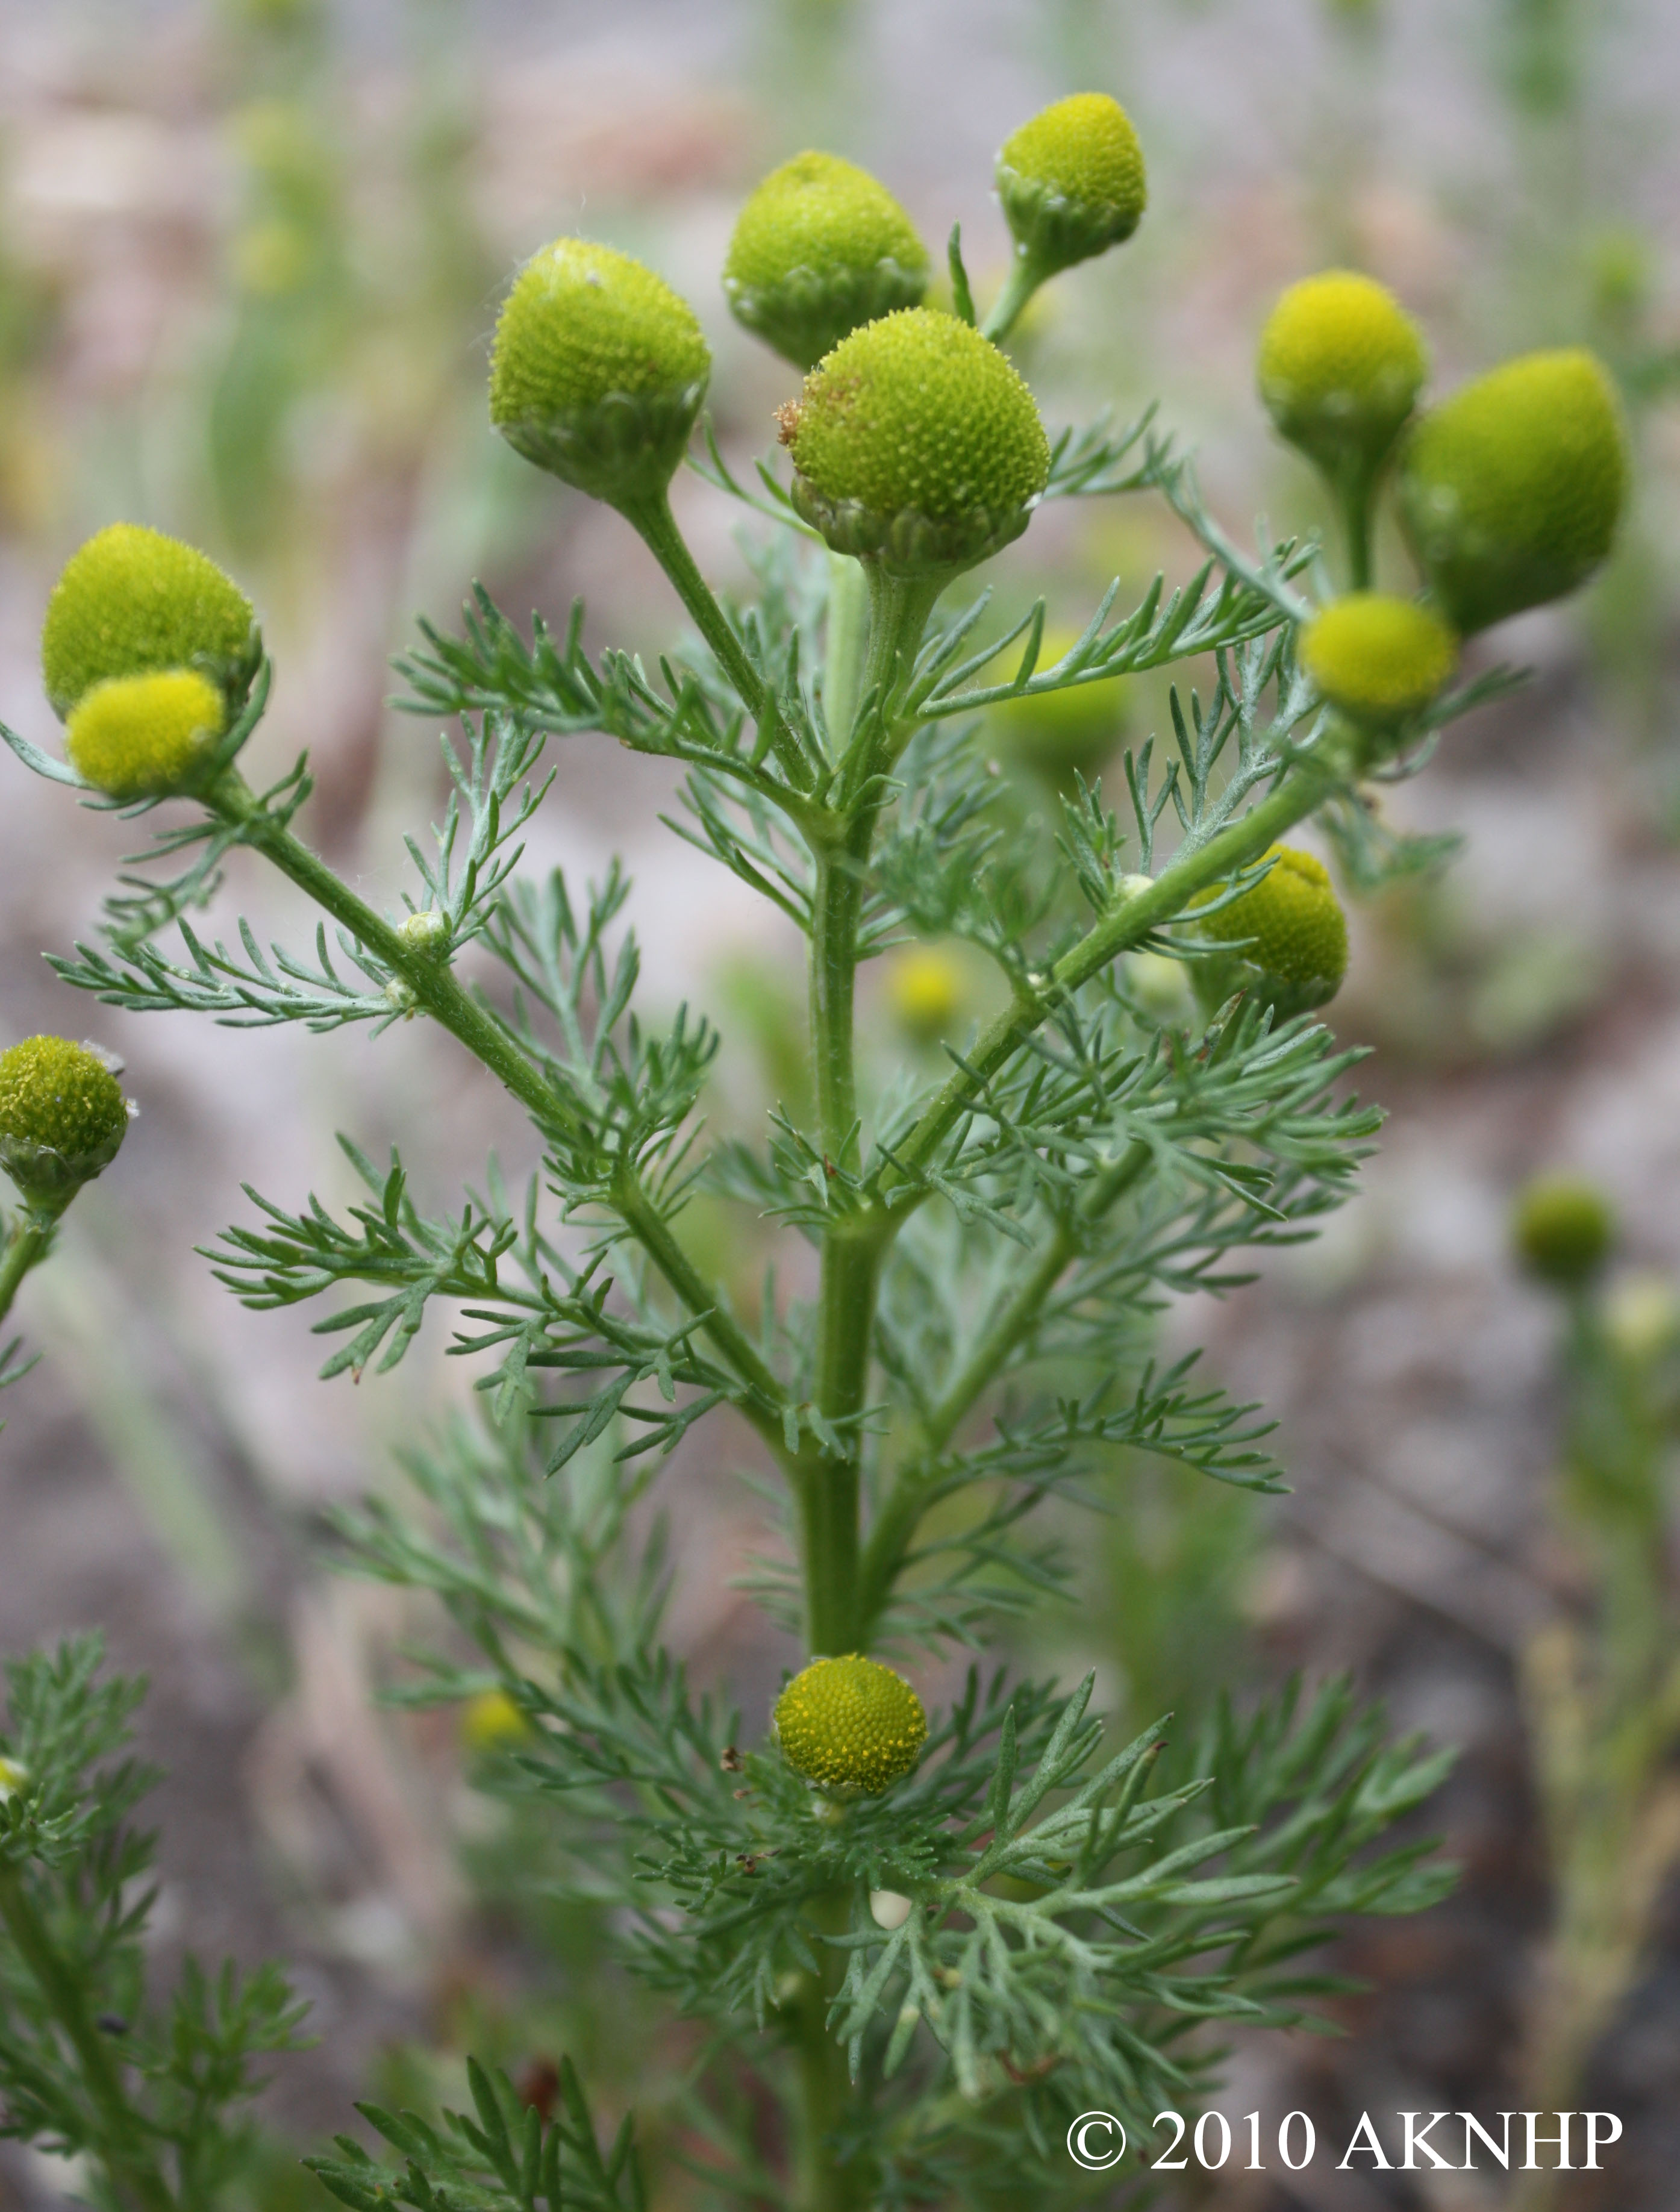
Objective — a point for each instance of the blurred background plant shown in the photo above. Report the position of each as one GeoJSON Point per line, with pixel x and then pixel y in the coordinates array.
{"type": "Point", "coordinates": [249, 255]}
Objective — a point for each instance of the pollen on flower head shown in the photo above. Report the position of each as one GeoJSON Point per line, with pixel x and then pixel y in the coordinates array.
{"type": "Point", "coordinates": [819, 249]}
{"type": "Point", "coordinates": [145, 737]}
{"type": "Point", "coordinates": [1341, 364]}
{"type": "Point", "coordinates": [851, 1726]}
{"type": "Point", "coordinates": [1510, 490]}
{"type": "Point", "coordinates": [598, 369]}
{"type": "Point", "coordinates": [62, 1117]}
{"type": "Point", "coordinates": [1071, 180]}
{"type": "Point", "coordinates": [1380, 660]}
{"type": "Point", "coordinates": [130, 602]}
{"type": "Point", "coordinates": [916, 441]}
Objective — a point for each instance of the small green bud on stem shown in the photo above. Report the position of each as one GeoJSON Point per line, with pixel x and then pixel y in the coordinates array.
{"type": "Point", "coordinates": [820, 249]}
{"type": "Point", "coordinates": [1563, 1230]}
{"type": "Point", "coordinates": [1071, 182]}
{"type": "Point", "coordinates": [850, 1725]}
{"type": "Point", "coordinates": [1381, 660]}
{"type": "Point", "coordinates": [62, 1118]}
{"type": "Point", "coordinates": [1341, 364]}
{"type": "Point", "coordinates": [1297, 952]}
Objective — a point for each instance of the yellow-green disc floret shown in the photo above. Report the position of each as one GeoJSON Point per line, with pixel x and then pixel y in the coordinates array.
{"type": "Point", "coordinates": [1071, 181]}
{"type": "Point", "coordinates": [820, 249]}
{"type": "Point", "coordinates": [1341, 365]}
{"type": "Point", "coordinates": [1510, 491]}
{"type": "Point", "coordinates": [62, 1117]}
{"type": "Point", "coordinates": [145, 737]}
{"type": "Point", "coordinates": [1380, 660]}
{"type": "Point", "coordinates": [598, 370]}
{"type": "Point", "coordinates": [132, 601]}
{"type": "Point", "coordinates": [850, 1725]}
{"type": "Point", "coordinates": [1564, 1229]}
{"type": "Point", "coordinates": [1297, 952]}
{"type": "Point", "coordinates": [915, 442]}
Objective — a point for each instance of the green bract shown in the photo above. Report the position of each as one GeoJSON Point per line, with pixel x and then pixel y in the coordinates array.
{"type": "Point", "coordinates": [1071, 181]}
{"type": "Point", "coordinates": [63, 1117]}
{"type": "Point", "coordinates": [1297, 952]}
{"type": "Point", "coordinates": [1563, 1230]}
{"type": "Point", "coordinates": [598, 370]}
{"type": "Point", "coordinates": [1380, 660]}
{"type": "Point", "coordinates": [145, 737]}
{"type": "Point", "coordinates": [1510, 490]}
{"type": "Point", "coordinates": [916, 443]}
{"type": "Point", "coordinates": [1341, 365]}
{"type": "Point", "coordinates": [132, 601]}
{"type": "Point", "coordinates": [820, 248]}
{"type": "Point", "coordinates": [849, 1725]}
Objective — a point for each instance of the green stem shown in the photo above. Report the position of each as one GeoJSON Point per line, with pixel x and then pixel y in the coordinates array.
{"type": "Point", "coordinates": [1357, 495]}
{"type": "Point", "coordinates": [1024, 279]}
{"type": "Point", "coordinates": [133, 2172]}
{"type": "Point", "coordinates": [655, 525]}
{"type": "Point", "coordinates": [895, 1524]}
{"type": "Point", "coordinates": [844, 648]}
{"type": "Point", "coordinates": [30, 1241]}
{"type": "Point", "coordinates": [1304, 787]}
{"type": "Point", "coordinates": [436, 990]}
{"type": "Point", "coordinates": [821, 2183]}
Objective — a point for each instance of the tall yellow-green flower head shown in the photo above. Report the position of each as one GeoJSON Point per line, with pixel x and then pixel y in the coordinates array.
{"type": "Point", "coordinates": [1510, 490]}
{"type": "Point", "coordinates": [145, 737]}
{"type": "Point", "coordinates": [598, 371]}
{"type": "Point", "coordinates": [915, 443]}
{"type": "Point", "coordinates": [132, 602]}
{"type": "Point", "coordinates": [62, 1117]}
{"type": "Point", "coordinates": [851, 1726]}
{"type": "Point", "coordinates": [1071, 181]}
{"type": "Point", "coordinates": [1341, 365]}
{"type": "Point", "coordinates": [819, 249]}
{"type": "Point", "coordinates": [1297, 954]}
{"type": "Point", "coordinates": [1563, 1230]}
{"type": "Point", "coordinates": [1380, 660]}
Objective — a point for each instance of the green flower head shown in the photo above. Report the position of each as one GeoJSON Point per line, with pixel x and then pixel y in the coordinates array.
{"type": "Point", "coordinates": [62, 1117]}
{"type": "Point", "coordinates": [1059, 734]}
{"type": "Point", "coordinates": [145, 737]}
{"type": "Point", "coordinates": [1071, 181]}
{"type": "Point", "coordinates": [1297, 952]}
{"type": "Point", "coordinates": [915, 443]}
{"type": "Point", "coordinates": [598, 371]}
{"type": "Point", "coordinates": [819, 249]}
{"type": "Point", "coordinates": [851, 1726]}
{"type": "Point", "coordinates": [1341, 365]}
{"type": "Point", "coordinates": [1563, 1230]}
{"type": "Point", "coordinates": [131, 602]}
{"type": "Point", "coordinates": [1380, 660]}
{"type": "Point", "coordinates": [1510, 490]}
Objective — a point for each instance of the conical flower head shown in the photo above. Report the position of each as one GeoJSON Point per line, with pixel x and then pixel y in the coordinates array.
{"type": "Point", "coordinates": [1297, 952]}
{"type": "Point", "coordinates": [598, 371]}
{"type": "Point", "coordinates": [1563, 1230]}
{"type": "Point", "coordinates": [1341, 365]}
{"type": "Point", "coordinates": [820, 249]}
{"type": "Point", "coordinates": [62, 1117]}
{"type": "Point", "coordinates": [851, 1726]}
{"type": "Point", "coordinates": [131, 602]}
{"type": "Point", "coordinates": [916, 443]}
{"type": "Point", "coordinates": [1071, 181]}
{"type": "Point", "coordinates": [145, 737]}
{"type": "Point", "coordinates": [1510, 490]}
{"type": "Point", "coordinates": [1380, 660]}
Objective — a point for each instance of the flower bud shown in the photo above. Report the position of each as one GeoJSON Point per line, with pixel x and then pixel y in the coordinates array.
{"type": "Point", "coordinates": [1298, 949]}
{"type": "Point", "coordinates": [1071, 181]}
{"type": "Point", "coordinates": [145, 737]}
{"type": "Point", "coordinates": [1510, 491]}
{"type": "Point", "coordinates": [925, 987]}
{"type": "Point", "coordinates": [63, 1117]}
{"type": "Point", "coordinates": [819, 249]}
{"type": "Point", "coordinates": [915, 443]}
{"type": "Point", "coordinates": [850, 1725]}
{"type": "Point", "coordinates": [598, 371]}
{"type": "Point", "coordinates": [1341, 365]}
{"type": "Point", "coordinates": [131, 602]}
{"type": "Point", "coordinates": [1380, 660]}
{"type": "Point", "coordinates": [426, 933]}
{"type": "Point", "coordinates": [1564, 1229]}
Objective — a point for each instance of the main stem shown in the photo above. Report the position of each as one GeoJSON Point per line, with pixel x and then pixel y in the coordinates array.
{"type": "Point", "coordinates": [30, 1241]}
{"type": "Point", "coordinates": [829, 1483]}
{"type": "Point", "coordinates": [133, 2172]}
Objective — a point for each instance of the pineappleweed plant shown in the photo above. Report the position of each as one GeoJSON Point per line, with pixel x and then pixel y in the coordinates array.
{"type": "Point", "coordinates": [929, 1939]}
